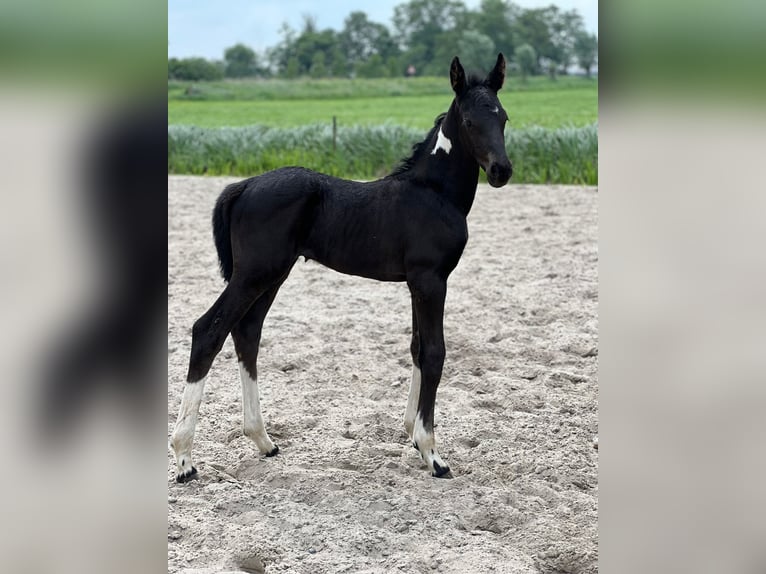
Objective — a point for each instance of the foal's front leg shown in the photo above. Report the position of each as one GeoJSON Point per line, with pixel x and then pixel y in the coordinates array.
{"type": "Point", "coordinates": [413, 399]}
{"type": "Point", "coordinates": [254, 427]}
{"type": "Point", "coordinates": [428, 294]}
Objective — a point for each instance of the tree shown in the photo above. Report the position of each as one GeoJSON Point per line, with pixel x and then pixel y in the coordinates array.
{"type": "Point", "coordinates": [296, 54]}
{"type": "Point", "coordinates": [373, 68]}
{"type": "Point", "coordinates": [551, 33]}
{"type": "Point", "coordinates": [425, 29]}
{"type": "Point", "coordinates": [549, 66]}
{"type": "Point", "coordinates": [338, 64]}
{"type": "Point", "coordinates": [279, 56]}
{"type": "Point", "coordinates": [240, 61]}
{"type": "Point", "coordinates": [293, 68]}
{"type": "Point", "coordinates": [318, 66]}
{"type": "Point", "coordinates": [563, 28]}
{"type": "Point", "coordinates": [476, 50]}
{"type": "Point", "coordinates": [194, 69]}
{"type": "Point", "coordinates": [586, 51]}
{"type": "Point", "coordinates": [526, 58]}
{"type": "Point", "coordinates": [309, 44]}
{"type": "Point", "coordinates": [495, 18]}
{"type": "Point", "coordinates": [531, 28]}
{"type": "Point", "coordinates": [309, 23]}
{"type": "Point", "coordinates": [362, 39]}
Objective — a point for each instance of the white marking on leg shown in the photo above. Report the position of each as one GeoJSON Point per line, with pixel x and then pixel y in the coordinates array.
{"type": "Point", "coordinates": [183, 433]}
{"type": "Point", "coordinates": [427, 445]}
{"type": "Point", "coordinates": [442, 142]}
{"type": "Point", "coordinates": [253, 418]}
{"type": "Point", "coordinates": [412, 401]}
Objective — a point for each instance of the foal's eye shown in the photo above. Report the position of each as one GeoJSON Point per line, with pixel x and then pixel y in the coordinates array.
{"type": "Point", "coordinates": [468, 123]}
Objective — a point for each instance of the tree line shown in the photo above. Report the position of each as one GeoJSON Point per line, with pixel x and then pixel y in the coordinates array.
{"type": "Point", "coordinates": [425, 34]}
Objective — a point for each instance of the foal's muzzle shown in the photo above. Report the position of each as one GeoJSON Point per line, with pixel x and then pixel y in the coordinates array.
{"type": "Point", "coordinates": [499, 173]}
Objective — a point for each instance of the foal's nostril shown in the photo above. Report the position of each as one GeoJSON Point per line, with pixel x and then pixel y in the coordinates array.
{"type": "Point", "coordinates": [499, 171]}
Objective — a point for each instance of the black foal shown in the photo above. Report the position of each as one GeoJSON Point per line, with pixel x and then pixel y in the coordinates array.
{"type": "Point", "coordinates": [409, 226]}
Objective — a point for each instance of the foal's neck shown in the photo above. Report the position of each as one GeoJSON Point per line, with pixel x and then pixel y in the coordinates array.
{"type": "Point", "coordinates": [447, 166]}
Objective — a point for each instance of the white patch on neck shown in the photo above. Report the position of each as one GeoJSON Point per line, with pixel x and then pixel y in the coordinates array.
{"type": "Point", "coordinates": [442, 142]}
{"type": "Point", "coordinates": [496, 110]}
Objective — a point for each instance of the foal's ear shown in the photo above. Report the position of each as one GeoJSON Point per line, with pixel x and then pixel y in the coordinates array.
{"type": "Point", "coordinates": [457, 76]}
{"type": "Point", "coordinates": [497, 75]}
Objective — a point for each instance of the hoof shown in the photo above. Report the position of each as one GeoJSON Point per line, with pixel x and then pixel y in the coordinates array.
{"type": "Point", "coordinates": [273, 452]}
{"type": "Point", "coordinates": [186, 476]}
{"type": "Point", "coordinates": [441, 471]}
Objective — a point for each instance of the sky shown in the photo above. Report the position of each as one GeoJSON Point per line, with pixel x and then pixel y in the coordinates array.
{"type": "Point", "coordinates": [207, 27]}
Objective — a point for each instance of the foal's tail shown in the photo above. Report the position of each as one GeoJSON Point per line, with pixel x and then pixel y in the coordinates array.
{"type": "Point", "coordinates": [221, 220]}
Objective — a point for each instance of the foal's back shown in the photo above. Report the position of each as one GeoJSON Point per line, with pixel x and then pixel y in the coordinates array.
{"type": "Point", "coordinates": [377, 229]}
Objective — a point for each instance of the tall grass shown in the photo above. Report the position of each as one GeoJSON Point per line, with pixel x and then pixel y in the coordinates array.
{"type": "Point", "coordinates": [562, 155]}
{"type": "Point", "coordinates": [566, 155]}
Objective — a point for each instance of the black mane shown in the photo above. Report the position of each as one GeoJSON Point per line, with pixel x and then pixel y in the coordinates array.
{"type": "Point", "coordinates": [417, 150]}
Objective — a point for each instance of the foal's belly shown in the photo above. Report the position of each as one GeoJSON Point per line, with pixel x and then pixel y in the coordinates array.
{"type": "Point", "coordinates": [371, 253]}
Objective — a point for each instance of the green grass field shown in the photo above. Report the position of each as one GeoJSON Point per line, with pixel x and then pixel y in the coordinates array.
{"type": "Point", "coordinates": [573, 102]}
{"type": "Point", "coordinates": [248, 127]}
{"type": "Point", "coordinates": [547, 109]}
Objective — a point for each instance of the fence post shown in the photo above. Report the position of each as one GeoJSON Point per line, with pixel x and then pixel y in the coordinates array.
{"type": "Point", "coordinates": [334, 132]}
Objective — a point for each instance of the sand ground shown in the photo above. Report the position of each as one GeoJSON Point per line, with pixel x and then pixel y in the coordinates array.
{"type": "Point", "coordinates": [516, 412]}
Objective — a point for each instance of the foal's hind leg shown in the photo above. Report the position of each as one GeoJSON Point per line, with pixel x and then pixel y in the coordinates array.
{"type": "Point", "coordinates": [428, 294]}
{"type": "Point", "coordinates": [183, 433]}
{"type": "Point", "coordinates": [247, 339]}
{"type": "Point", "coordinates": [210, 330]}
{"type": "Point", "coordinates": [208, 334]}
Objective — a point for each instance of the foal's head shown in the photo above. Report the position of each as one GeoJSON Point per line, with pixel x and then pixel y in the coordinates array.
{"type": "Point", "coordinates": [482, 119]}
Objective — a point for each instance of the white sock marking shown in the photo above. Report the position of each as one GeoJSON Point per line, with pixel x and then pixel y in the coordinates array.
{"type": "Point", "coordinates": [412, 401]}
{"type": "Point", "coordinates": [442, 142]}
{"type": "Point", "coordinates": [183, 433]}
{"type": "Point", "coordinates": [427, 445]}
{"type": "Point", "coordinates": [253, 418]}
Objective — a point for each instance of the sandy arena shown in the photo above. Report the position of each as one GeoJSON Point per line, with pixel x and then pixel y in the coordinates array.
{"type": "Point", "coordinates": [516, 411]}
